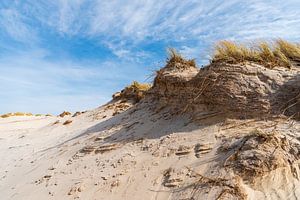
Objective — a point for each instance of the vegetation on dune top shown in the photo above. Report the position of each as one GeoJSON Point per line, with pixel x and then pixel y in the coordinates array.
{"type": "Point", "coordinates": [15, 114]}
{"type": "Point", "coordinates": [176, 60]}
{"type": "Point", "coordinates": [64, 113]}
{"type": "Point", "coordinates": [139, 86]}
{"type": "Point", "coordinates": [136, 91]}
{"type": "Point", "coordinates": [21, 114]}
{"type": "Point", "coordinates": [279, 53]}
{"type": "Point", "coordinates": [290, 50]}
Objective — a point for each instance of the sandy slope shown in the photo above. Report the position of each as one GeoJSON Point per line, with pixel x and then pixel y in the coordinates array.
{"type": "Point", "coordinates": [141, 153]}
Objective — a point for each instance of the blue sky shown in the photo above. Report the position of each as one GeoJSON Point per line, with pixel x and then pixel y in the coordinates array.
{"type": "Point", "coordinates": [73, 55]}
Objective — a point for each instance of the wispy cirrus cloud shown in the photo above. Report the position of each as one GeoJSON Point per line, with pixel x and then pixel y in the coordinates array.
{"type": "Point", "coordinates": [13, 25]}
{"type": "Point", "coordinates": [123, 25]}
{"type": "Point", "coordinates": [197, 22]}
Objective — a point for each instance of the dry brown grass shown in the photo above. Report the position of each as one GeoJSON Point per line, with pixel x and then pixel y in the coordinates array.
{"type": "Point", "coordinates": [135, 91]}
{"type": "Point", "coordinates": [22, 114]}
{"type": "Point", "coordinates": [15, 114]}
{"type": "Point", "coordinates": [140, 86]}
{"type": "Point", "coordinates": [175, 57]}
{"type": "Point", "coordinates": [290, 50]}
{"type": "Point", "coordinates": [65, 113]}
{"type": "Point", "coordinates": [6, 115]}
{"type": "Point", "coordinates": [279, 53]}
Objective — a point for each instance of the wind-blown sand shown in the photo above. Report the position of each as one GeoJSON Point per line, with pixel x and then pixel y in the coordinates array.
{"type": "Point", "coordinates": [215, 133]}
{"type": "Point", "coordinates": [138, 154]}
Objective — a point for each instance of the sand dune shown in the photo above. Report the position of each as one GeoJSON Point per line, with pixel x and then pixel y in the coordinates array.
{"type": "Point", "coordinates": [167, 144]}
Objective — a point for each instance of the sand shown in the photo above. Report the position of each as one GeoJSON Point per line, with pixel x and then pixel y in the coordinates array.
{"type": "Point", "coordinates": [125, 151]}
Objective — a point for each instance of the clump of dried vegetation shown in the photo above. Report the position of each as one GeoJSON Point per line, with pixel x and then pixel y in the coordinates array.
{"type": "Point", "coordinates": [279, 53]}
{"type": "Point", "coordinates": [15, 114]}
{"type": "Point", "coordinates": [136, 91]}
{"type": "Point", "coordinates": [260, 152]}
{"type": "Point", "coordinates": [140, 86]}
{"type": "Point", "coordinates": [64, 113]}
{"type": "Point", "coordinates": [176, 60]}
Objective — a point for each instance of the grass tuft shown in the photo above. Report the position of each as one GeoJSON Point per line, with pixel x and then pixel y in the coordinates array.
{"type": "Point", "coordinates": [6, 115]}
{"type": "Point", "coordinates": [290, 50]}
{"type": "Point", "coordinates": [280, 53]}
{"type": "Point", "coordinates": [140, 86]}
{"type": "Point", "coordinates": [136, 91]}
{"type": "Point", "coordinates": [15, 114]}
{"type": "Point", "coordinates": [174, 58]}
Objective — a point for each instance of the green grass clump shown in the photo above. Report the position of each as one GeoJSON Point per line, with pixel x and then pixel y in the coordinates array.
{"type": "Point", "coordinates": [280, 53]}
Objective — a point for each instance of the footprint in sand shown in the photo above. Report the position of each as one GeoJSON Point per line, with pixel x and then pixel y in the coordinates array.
{"type": "Point", "coordinates": [200, 149]}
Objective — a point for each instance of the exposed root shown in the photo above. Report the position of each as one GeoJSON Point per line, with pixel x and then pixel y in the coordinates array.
{"type": "Point", "coordinates": [231, 187]}
{"type": "Point", "coordinates": [259, 153]}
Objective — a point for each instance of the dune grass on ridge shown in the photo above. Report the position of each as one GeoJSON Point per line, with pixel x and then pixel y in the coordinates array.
{"type": "Point", "coordinates": [175, 57]}
{"type": "Point", "coordinates": [279, 53]}
{"type": "Point", "coordinates": [15, 114]}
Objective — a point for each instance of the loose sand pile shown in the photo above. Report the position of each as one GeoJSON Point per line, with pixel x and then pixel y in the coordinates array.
{"type": "Point", "coordinates": [227, 131]}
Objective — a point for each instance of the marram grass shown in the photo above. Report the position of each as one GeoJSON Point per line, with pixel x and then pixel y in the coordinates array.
{"type": "Point", "coordinates": [279, 53]}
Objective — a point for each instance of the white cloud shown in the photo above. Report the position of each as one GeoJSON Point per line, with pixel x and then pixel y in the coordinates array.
{"type": "Point", "coordinates": [137, 20]}
{"type": "Point", "coordinates": [200, 21]}
{"type": "Point", "coordinates": [189, 52]}
{"type": "Point", "coordinates": [126, 24]}
{"type": "Point", "coordinates": [13, 24]}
